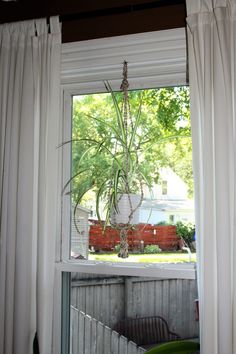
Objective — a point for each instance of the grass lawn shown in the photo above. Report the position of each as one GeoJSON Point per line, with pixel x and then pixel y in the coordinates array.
{"type": "Point", "coordinates": [168, 257]}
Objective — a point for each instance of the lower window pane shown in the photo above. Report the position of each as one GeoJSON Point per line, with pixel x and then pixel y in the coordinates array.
{"type": "Point", "coordinates": [129, 314]}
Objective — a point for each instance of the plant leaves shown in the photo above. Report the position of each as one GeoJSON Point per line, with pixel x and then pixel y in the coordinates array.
{"type": "Point", "coordinates": [175, 347]}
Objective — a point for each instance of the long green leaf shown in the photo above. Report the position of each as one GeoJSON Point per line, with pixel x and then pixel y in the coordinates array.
{"type": "Point", "coordinates": [175, 347]}
{"type": "Point", "coordinates": [78, 200]}
{"type": "Point", "coordinates": [100, 145]}
{"type": "Point", "coordinates": [115, 187]}
{"type": "Point", "coordinates": [112, 128]}
{"type": "Point", "coordinates": [75, 141]}
{"type": "Point", "coordinates": [84, 154]}
{"type": "Point", "coordinates": [72, 178]}
{"type": "Point", "coordinates": [136, 125]}
{"type": "Point", "coordinates": [170, 137]}
{"type": "Point", "coordinates": [98, 197]}
{"type": "Point", "coordinates": [118, 112]}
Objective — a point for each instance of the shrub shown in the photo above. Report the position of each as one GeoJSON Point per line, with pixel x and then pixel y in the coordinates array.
{"type": "Point", "coordinates": [186, 231]}
{"type": "Point", "coordinates": [117, 248]}
{"type": "Point", "coordinates": [151, 249]}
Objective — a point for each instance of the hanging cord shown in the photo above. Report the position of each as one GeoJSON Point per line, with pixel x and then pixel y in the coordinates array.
{"type": "Point", "coordinates": [124, 87]}
{"type": "Point", "coordinates": [128, 121]}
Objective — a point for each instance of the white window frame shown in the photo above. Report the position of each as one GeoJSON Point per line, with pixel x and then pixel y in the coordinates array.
{"type": "Point", "coordinates": [155, 59]}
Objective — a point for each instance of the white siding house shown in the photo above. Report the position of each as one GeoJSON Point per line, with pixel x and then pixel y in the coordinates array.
{"type": "Point", "coordinates": [169, 201]}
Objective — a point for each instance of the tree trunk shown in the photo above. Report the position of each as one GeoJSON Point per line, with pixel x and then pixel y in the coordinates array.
{"type": "Point", "coordinates": [124, 251]}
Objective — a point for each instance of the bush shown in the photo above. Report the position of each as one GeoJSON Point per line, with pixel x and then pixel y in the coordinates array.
{"type": "Point", "coordinates": [117, 248]}
{"type": "Point", "coordinates": [151, 249]}
{"type": "Point", "coordinates": [186, 231]}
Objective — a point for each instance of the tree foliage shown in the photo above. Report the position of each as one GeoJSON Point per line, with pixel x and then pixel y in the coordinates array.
{"type": "Point", "coordinates": [186, 231]}
{"type": "Point", "coordinates": [165, 125]}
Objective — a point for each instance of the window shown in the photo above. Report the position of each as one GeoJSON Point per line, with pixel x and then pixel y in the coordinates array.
{"type": "Point", "coordinates": [164, 187]}
{"type": "Point", "coordinates": [171, 219]}
{"type": "Point", "coordinates": [155, 60]}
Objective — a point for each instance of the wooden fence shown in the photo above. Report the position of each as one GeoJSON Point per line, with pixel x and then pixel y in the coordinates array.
{"type": "Point", "coordinates": [164, 236]}
{"type": "Point", "coordinates": [110, 299]}
{"type": "Point", "coordinates": [89, 336]}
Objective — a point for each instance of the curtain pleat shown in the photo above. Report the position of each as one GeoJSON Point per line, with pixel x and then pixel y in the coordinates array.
{"type": "Point", "coordinates": [211, 46]}
{"type": "Point", "coordinates": [29, 132]}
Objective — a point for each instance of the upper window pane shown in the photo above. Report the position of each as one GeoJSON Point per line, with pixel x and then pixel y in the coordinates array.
{"type": "Point", "coordinates": [152, 150]}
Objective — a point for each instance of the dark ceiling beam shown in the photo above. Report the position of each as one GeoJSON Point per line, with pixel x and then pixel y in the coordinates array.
{"type": "Point", "coordinates": [124, 23]}
{"type": "Point", "coordinates": [83, 20]}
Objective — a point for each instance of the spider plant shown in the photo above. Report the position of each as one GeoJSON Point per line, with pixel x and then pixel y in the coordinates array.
{"type": "Point", "coordinates": [122, 150]}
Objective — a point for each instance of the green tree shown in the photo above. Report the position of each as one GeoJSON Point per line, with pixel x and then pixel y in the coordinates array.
{"type": "Point", "coordinates": [166, 125]}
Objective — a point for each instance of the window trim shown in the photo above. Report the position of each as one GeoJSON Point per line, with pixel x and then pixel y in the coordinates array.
{"type": "Point", "coordinates": [158, 270]}
{"type": "Point", "coordinates": [156, 55]}
{"type": "Point", "coordinates": [68, 265]}
{"type": "Point", "coordinates": [155, 59]}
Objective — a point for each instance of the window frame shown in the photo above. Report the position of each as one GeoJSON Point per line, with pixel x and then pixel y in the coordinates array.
{"type": "Point", "coordinates": [156, 59]}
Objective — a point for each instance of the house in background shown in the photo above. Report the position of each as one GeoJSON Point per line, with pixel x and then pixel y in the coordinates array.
{"type": "Point", "coordinates": [169, 201]}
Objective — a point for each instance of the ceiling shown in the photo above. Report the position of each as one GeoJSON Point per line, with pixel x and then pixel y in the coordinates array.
{"type": "Point", "coordinates": [83, 19]}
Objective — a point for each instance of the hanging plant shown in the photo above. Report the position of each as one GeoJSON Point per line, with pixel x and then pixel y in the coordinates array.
{"type": "Point", "coordinates": [121, 189]}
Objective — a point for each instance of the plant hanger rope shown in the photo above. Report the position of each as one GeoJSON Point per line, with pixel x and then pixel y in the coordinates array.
{"type": "Point", "coordinates": [124, 87]}
{"type": "Point", "coordinates": [128, 126]}
{"type": "Point", "coordinates": [128, 119]}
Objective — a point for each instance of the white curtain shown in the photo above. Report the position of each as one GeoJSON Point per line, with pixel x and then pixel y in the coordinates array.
{"type": "Point", "coordinates": [29, 119]}
{"type": "Point", "coordinates": [212, 69]}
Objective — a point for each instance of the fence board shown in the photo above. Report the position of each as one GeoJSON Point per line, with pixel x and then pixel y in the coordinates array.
{"type": "Point", "coordinates": [100, 337]}
{"type": "Point", "coordinates": [87, 334]}
{"type": "Point", "coordinates": [151, 298]}
{"type": "Point", "coordinates": [131, 297]}
{"type": "Point", "coordinates": [105, 305]}
{"type": "Point", "coordinates": [89, 299]}
{"type": "Point", "coordinates": [132, 348]}
{"type": "Point", "coordinates": [173, 306]}
{"type": "Point", "coordinates": [92, 337]}
{"type": "Point", "coordinates": [81, 331]}
{"type": "Point", "coordinates": [73, 299]}
{"type": "Point", "coordinates": [179, 303]}
{"type": "Point", "coordinates": [123, 345]}
{"type": "Point", "coordinates": [107, 340]}
{"type": "Point", "coordinates": [74, 330]}
{"type": "Point", "coordinates": [81, 299]}
{"type": "Point", "coordinates": [165, 298]}
{"type": "Point", "coordinates": [192, 321]}
{"type": "Point", "coordinates": [97, 303]}
{"type": "Point", "coordinates": [128, 302]}
{"type": "Point", "coordinates": [117, 308]}
{"type": "Point", "coordinates": [159, 299]}
{"type": "Point", "coordinates": [136, 307]}
{"type": "Point", "coordinates": [185, 295]}
{"type": "Point", "coordinates": [114, 342]}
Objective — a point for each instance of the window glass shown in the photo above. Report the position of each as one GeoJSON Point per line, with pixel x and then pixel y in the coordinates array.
{"type": "Point", "coordinates": [161, 151]}
{"type": "Point", "coordinates": [110, 311]}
